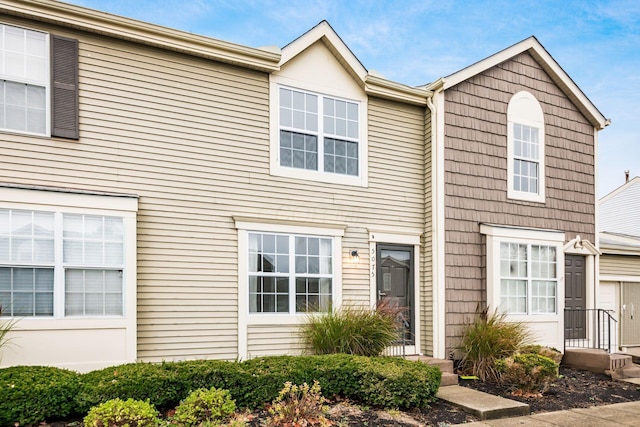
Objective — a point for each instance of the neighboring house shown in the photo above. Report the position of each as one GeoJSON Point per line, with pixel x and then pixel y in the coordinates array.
{"type": "Point", "coordinates": [168, 196]}
{"type": "Point", "coordinates": [619, 228]}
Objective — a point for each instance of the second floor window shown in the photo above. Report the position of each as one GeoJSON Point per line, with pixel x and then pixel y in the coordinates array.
{"type": "Point", "coordinates": [526, 158]}
{"type": "Point", "coordinates": [24, 80]}
{"type": "Point", "coordinates": [525, 149]}
{"type": "Point", "coordinates": [318, 132]}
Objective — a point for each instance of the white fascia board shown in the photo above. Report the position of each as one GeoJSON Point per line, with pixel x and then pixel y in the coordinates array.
{"type": "Point", "coordinates": [635, 180]}
{"type": "Point", "coordinates": [540, 54]}
{"type": "Point", "coordinates": [387, 89]}
{"type": "Point", "coordinates": [324, 31]}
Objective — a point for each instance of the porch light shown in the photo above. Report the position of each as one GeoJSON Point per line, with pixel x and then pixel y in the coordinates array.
{"type": "Point", "coordinates": [355, 258]}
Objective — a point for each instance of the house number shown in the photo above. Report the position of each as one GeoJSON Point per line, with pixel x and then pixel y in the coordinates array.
{"type": "Point", "coordinates": [373, 262]}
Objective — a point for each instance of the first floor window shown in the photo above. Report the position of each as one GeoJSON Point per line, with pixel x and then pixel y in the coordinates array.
{"type": "Point", "coordinates": [46, 256]}
{"type": "Point", "coordinates": [289, 273]}
{"type": "Point", "coordinates": [528, 278]}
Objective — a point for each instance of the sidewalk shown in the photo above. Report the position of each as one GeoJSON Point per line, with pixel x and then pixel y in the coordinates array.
{"type": "Point", "coordinates": [618, 414]}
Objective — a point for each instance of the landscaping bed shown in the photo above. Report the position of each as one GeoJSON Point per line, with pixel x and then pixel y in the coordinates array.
{"type": "Point", "coordinates": [574, 389]}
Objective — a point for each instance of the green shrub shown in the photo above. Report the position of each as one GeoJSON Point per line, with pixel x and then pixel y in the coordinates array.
{"type": "Point", "coordinates": [350, 330]}
{"type": "Point", "coordinates": [158, 383]}
{"type": "Point", "coordinates": [204, 405]}
{"type": "Point", "coordinates": [29, 394]}
{"type": "Point", "coordinates": [395, 383]}
{"type": "Point", "coordinates": [549, 352]}
{"type": "Point", "coordinates": [488, 339]}
{"type": "Point", "coordinates": [380, 381]}
{"type": "Point", "coordinates": [527, 373]}
{"type": "Point", "coordinates": [121, 413]}
{"type": "Point", "coordinates": [298, 405]}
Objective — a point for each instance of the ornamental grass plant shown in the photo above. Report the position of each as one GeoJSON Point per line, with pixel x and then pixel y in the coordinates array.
{"type": "Point", "coordinates": [488, 339]}
{"type": "Point", "coordinates": [351, 330]}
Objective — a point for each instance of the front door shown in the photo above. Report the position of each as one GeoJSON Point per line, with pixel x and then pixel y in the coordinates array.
{"type": "Point", "coordinates": [395, 283]}
{"type": "Point", "coordinates": [575, 302]}
{"type": "Point", "coordinates": [630, 314]}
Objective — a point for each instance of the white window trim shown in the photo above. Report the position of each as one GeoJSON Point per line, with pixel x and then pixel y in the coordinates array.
{"type": "Point", "coordinates": [525, 109]}
{"type": "Point", "coordinates": [90, 204]}
{"type": "Point", "coordinates": [247, 225]}
{"type": "Point", "coordinates": [276, 82]}
{"type": "Point", "coordinates": [496, 235]}
{"type": "Point", "coordinates": [47, 85]}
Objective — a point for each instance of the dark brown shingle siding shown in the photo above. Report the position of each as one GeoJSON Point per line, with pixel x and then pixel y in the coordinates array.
{"type": "Point", "coordinates": [476, 175]}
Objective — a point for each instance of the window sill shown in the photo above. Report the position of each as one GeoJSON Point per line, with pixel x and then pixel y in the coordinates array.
{"type": "Point", "coordinates": [525, 197]}
{"type": "Point", "coordinates": [328, 178]}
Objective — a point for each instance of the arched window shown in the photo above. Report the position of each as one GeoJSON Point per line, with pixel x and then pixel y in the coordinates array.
{"type": "Point", "coordinates": [525, 150]}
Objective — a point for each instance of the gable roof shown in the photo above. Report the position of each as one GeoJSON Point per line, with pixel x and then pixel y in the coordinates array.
{"type": "Point", "coordinates": [546, 61]}
{"type": "Point", "coordinates": [620, 209]}
{"type": "Point", "coordinates": [371, 83]}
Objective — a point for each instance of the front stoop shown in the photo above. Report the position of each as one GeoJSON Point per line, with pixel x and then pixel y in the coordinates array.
{"type": "Point", "coordinates": [619, 366]}
{"type": "Point", "coordinates": [446, 367]}
{"type": "Point", "coordinates": [594, 360]}
{"type": "Point", "coordinates": [484, 406]}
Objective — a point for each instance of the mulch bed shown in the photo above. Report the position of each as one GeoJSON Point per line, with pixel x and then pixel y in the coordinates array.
{"type": "Point", "coordinates": [574, 389]}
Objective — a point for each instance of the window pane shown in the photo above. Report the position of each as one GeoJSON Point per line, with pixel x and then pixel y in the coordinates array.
{"type": "Point", "coordinates": [26, 291]}
{"type": "Point", "coordinates": [90, 292]}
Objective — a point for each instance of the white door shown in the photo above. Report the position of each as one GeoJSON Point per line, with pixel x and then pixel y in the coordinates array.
{"type": "Point", "coordinates": [630, 314]}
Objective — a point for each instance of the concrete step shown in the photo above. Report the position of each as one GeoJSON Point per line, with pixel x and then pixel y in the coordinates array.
{"type": "Point", "coordinates": [482, 405]}
{"type": "Point", "coordinates": [444, 365]}
{"type": "Point", "coordinates": [595, 360]}
{"type": "Point", "coordinates": [632, 371]}
{"type": "Point", "coordinates": [448, 379]}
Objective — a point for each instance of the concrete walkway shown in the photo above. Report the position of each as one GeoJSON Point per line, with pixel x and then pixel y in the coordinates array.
{"type": "Point", "coordinates": [482, 405]}
{"type": "Point", "coordinates": [618, 414]}
{"type": "Point", "coordinates": [495, 411]}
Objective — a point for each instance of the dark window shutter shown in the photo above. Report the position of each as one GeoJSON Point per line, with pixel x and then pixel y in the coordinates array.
{"type": "Point", "coordinates": [64, 87]}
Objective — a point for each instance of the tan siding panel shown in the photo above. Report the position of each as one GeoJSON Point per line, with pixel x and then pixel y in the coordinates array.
{"type": "Point", "coordinates": [620, 265]}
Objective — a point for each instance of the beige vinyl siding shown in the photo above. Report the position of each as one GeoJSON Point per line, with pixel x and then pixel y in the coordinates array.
{"type": "Point", "coordinates": [476, 176]}
{"type": "Point", "coordinates": [620, 265]}
{"type": "Point", "coordinates": [190, 137]}
{"type": "Point", "coordinates": [274, 340]}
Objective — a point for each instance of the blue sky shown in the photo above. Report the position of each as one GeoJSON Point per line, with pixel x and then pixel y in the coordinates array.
{"type": "Point", "coordinates": [415, 42]}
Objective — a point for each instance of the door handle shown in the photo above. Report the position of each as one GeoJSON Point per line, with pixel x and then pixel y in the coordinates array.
{"type": "Point", "coordinates": [633, 309]}
{"type": "Point", "coordinates": [381, 294]}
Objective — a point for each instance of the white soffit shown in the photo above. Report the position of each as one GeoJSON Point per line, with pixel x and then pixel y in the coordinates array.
{"type": "Point", "coordinates": [546, 61]}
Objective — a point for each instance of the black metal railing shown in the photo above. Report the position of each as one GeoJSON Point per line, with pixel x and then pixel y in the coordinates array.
{"type": "Point", "coordinates": [590, 328]}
